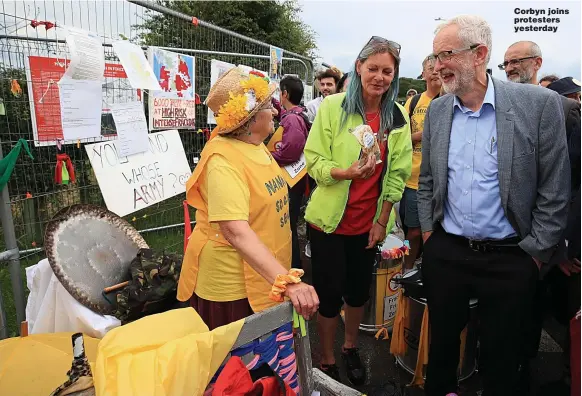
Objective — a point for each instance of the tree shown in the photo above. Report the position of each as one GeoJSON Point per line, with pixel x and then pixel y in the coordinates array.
{"type": "Point", "coordinates": [272, 22]}
{"type": "Point", "coordinates": [410, 83]}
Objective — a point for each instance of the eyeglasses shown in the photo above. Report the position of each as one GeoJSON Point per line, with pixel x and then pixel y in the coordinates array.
{"type": "Point", "coordinates": [445, 56]}
{"type": "Point", "coordinates": [382, 40]}
{"type": "Point", "coordinates": [514, 62]}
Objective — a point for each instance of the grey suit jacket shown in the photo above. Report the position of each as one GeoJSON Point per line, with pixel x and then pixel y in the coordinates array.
{"type": "Point", "coordinates": [534, 171]}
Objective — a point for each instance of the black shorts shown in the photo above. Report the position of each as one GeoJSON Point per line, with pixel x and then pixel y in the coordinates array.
{"type": "Point", "coordinates": [342, 270]}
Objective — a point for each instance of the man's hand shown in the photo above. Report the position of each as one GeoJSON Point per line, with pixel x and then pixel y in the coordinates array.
{"type": "Point", "coordinates": [377, 235]}
{"type": "Point", "coordinates": [426, 235]}
{"type": "Point", "coordinates": [569, 267]}
{"type": "Point", "coordinates": [538, 263]}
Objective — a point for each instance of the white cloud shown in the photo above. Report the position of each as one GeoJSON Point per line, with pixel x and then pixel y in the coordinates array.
{"type": "Point", "coordinates": [344, 27]}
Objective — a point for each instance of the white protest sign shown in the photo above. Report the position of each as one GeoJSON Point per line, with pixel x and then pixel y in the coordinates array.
{"type": "Point", "coordinates": [296, 167]}
{"type": "Point", "coordinates": [129, 184]}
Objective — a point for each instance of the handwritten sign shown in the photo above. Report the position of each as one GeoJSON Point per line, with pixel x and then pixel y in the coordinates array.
{"type": "Point", "coordinates": [295, 168]}
{"type": "Point", "coordinates": [131, 183]}
{"type": "Point", "coordinates": [174, 105]}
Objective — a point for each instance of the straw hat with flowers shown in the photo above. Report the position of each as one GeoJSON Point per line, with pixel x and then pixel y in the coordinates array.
{"type": "Point", "coordinates": [236, 97]}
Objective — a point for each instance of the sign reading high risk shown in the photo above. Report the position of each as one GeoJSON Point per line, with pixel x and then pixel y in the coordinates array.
{"type": "Point", "coordinates": [131, 183]}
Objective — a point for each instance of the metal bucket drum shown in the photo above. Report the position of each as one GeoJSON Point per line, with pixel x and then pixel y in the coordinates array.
{"type": "Point", "coordinates": [412, 329]}
{"type": "Point", "coordinates": [380, 310]}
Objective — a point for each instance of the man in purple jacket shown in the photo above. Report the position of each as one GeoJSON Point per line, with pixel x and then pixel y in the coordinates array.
{"type": "Point", "coordinates": [289, 150]}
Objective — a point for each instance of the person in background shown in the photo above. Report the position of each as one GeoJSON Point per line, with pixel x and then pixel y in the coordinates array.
{"type": "Point", "coordinates": [521, 64]}
{"type": "Point", "coordinates": [241, 244]}
{"type": "Point", "coordinates": [409, 208]}
{"type": "Point", "coordinates": [290, 149]}
{"type": "Point", "coordinates": [568, 87]}
{"type": "Point", "coordinates": [548, 79]}
{"type": "Point", "coordinates": [492, 201]}
{"type": "Point", "coordinates": [522, 61]}
{"type": "Point", "coordinates": [349, 211]}
{"type": "Point", "coordinates": [327, 81]}
{"type": "Point", "coordinates": [342, 84]}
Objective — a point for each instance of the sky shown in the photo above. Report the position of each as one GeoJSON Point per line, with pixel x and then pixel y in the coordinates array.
{"type": "Point", "coordinates": [344, 27]}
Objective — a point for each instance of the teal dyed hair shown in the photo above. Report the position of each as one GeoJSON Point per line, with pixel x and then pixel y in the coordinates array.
{"type": "Point", "coordinates": [354, 100]}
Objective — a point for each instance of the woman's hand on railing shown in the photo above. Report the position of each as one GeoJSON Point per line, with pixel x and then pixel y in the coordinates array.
{"type": "Point", "coordinates": [304, 299]}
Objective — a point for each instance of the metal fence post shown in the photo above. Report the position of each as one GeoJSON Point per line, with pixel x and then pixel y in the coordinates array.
{"type": "Point", "coordinates": [3, 323]}
{"type": "Point", "coordinates": [11, 245]}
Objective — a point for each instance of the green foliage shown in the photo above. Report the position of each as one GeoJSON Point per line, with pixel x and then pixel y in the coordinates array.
{"type": "Point", "coordinates": [408, 83]}
{"type": "Point", "coordinates": [272, 22]}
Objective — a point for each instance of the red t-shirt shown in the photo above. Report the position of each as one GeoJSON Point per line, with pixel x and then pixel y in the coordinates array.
{"type": "Point", "coordinates": [364, 193]}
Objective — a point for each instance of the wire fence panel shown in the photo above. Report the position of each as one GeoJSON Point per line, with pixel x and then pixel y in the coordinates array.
{"type": "Point", "coordinates": [33, 56]}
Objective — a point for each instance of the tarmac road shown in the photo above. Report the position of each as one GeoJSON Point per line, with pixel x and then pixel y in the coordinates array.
{"type": "Point", "coordinates": [382, 369]}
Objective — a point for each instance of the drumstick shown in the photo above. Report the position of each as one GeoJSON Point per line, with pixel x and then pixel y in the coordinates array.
{"type": "Point", "coordinates": [115, 287]}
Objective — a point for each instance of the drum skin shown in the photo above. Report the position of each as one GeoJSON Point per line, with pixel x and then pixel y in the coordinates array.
{"type": "Point", "coordinates": [90, 248]}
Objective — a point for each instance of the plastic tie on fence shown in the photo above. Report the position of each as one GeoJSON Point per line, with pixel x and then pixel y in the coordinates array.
{"type": "Point", "coordinates": [299, 323]}
{"type": "Point", "coordinates": [47, 25]}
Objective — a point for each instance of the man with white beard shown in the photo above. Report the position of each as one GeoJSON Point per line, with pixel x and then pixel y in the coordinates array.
{"type": "Point", "coordinates": [492, 202]}
{"type": "Point", "coordinates": [522, 61]}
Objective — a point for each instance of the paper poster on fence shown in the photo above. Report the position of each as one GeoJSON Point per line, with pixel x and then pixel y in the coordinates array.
{"type": "Point", "coordinates": [43, 74]}
{"type": "Point", "coordinates": [129, 184]}
{"type": "Point", "coordinates": [217, 69]}
{"type": "Point", "coordinates": [275, 71]}
{"type": "Point", "coordinates": [138, 69]}
{"type": "Point", "coordinates": [87, 57]}
{"type": "Point", "coordinates": [174, 105]}
{"type": "Point", "coordinates": [307, 93]}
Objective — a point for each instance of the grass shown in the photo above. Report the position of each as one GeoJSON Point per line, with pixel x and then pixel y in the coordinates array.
{"type": "Point", "coordinates": [171, 240]}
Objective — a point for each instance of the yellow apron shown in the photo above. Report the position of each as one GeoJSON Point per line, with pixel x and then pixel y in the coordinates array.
{"type": "Point", "coordinates": [268, 218]}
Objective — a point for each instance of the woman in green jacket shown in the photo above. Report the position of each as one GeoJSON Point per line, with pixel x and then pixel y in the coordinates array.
{"type": "Point", "coordinates": [350, 209]}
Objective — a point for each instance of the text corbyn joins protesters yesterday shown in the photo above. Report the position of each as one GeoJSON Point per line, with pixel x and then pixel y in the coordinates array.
{"type": "Point", "coordinates": [543, 19]}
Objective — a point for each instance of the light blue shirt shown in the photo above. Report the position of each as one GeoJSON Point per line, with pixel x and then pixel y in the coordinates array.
{"type": "Point", "coordinates": [473, 205]}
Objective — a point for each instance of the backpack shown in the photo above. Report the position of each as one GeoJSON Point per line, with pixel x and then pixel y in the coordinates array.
{"type": "Point", "coordinates": [413, 103]}
{"type": "Point", "coordinates": [301, 114]}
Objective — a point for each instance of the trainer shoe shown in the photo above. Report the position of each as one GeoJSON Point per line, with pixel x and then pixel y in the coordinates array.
{"type": "Point", "coordinates": [332, 371]}
{"type": "Point", "coordinates": [354, 369]}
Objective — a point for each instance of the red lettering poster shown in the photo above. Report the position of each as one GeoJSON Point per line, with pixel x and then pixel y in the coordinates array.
{"type": "Point", "coordinates": [43, 74]}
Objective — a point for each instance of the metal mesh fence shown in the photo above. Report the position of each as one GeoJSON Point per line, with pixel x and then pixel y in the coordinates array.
{"type": "Point", "coordinates": [24, 38]}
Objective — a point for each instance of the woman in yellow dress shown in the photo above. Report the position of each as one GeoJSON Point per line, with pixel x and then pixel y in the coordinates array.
{"type": "Point", "coordinates": [238, 257]}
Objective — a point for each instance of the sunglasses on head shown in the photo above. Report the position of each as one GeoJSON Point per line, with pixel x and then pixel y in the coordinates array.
{"type": "Point", "coordinates": [382, 40]}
